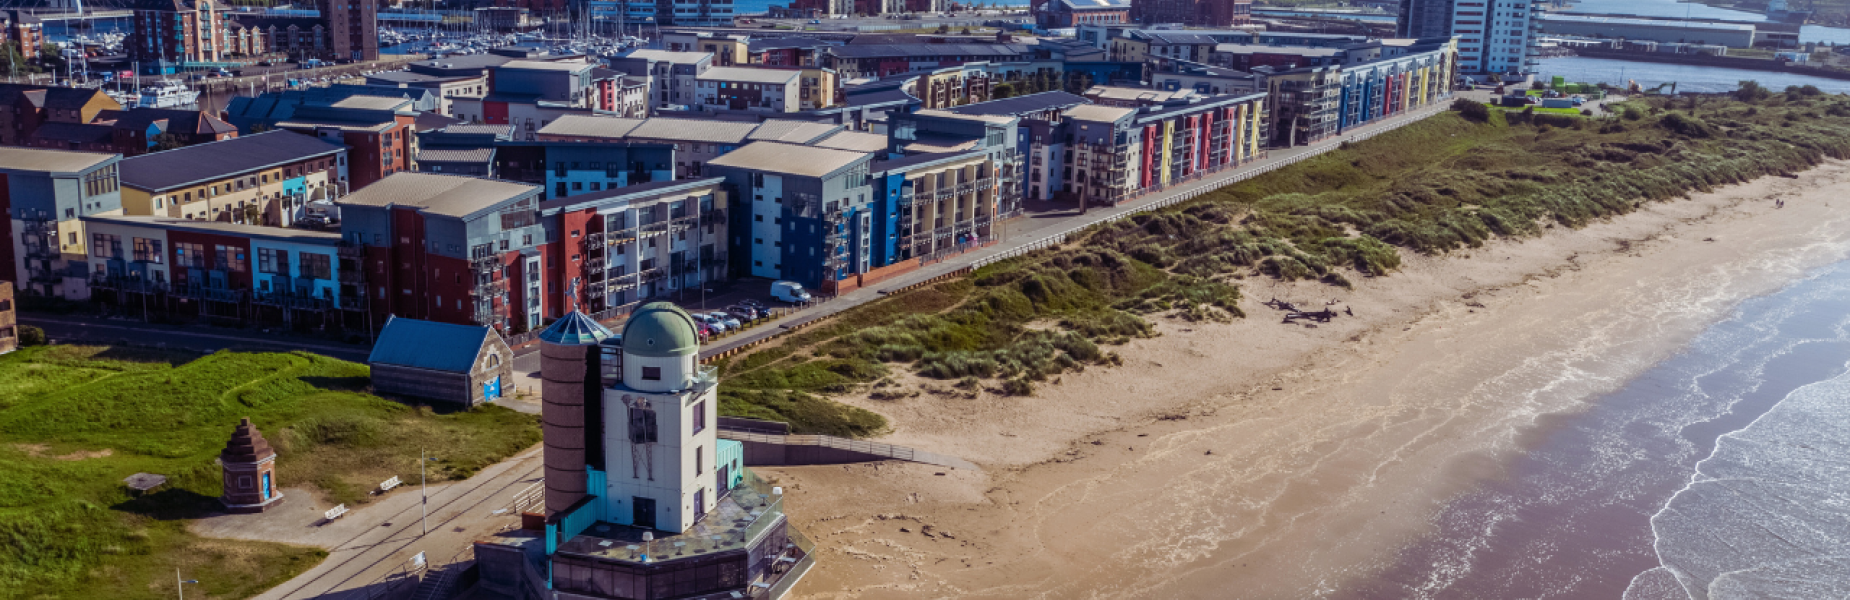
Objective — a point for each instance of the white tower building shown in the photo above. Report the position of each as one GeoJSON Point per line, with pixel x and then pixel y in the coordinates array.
{"type": "Point", "coordinates": [661, 421]}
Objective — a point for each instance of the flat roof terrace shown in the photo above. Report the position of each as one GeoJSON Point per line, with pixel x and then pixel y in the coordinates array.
{"type": "Point", "coordinates": [740, 517]}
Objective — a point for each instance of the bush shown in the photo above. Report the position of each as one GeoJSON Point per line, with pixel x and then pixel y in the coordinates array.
{"type": "Point", "coordinates": [1471, 109]}
{"type": "Point", "coordinates": [31, 336]}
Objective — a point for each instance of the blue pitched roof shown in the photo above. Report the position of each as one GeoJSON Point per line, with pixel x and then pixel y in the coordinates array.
{"type": "Point", "coordinates": [428, 345]}
{"type": "Point", "coordinates": [575, 329]}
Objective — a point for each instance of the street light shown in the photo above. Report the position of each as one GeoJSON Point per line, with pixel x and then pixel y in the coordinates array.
{"type": "Point", "coordinates": [423, 488]}
{"type": "Point", "coordinates": [179, 587]}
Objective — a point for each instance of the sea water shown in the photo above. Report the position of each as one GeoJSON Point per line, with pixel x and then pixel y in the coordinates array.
{"type": "Point", "coordinates": [1722, 472]}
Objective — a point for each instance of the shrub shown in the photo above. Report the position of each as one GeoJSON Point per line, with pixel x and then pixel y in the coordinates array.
{"type": "Point", "coordinates": [31, 336]}
{"type": "Point", "coordinates": [1471, 109]}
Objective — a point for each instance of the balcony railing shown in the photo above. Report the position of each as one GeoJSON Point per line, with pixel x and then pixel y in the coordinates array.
{"type": "Point", "coordinates": [494, 287]}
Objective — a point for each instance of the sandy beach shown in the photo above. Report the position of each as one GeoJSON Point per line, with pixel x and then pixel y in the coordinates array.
{"type": "Point", "coordinates": [1254, 459]}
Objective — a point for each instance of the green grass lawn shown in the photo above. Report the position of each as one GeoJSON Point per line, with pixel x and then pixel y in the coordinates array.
{"type": "Point", "coordinates": [1445, 184]}
{"type": "Point", "coordinates": [76, 420]}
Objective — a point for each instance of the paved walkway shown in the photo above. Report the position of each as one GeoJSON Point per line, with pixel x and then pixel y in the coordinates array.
{"type": "Point", "coordinates": [376, 542]}
{"type": "Point", "coordinates": [1036, 230]}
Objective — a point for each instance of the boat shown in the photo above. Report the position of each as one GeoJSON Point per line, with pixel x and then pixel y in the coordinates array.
{"type": "Point", "coordinates": [169, 94]}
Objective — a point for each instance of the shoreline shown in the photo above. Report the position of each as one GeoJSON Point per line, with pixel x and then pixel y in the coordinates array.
{"type": "Point", "coordinates": [1219, 450]}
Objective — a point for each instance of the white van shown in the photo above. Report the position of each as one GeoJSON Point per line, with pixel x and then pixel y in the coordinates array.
{"type": "Point", "coordinates": [789, 291]}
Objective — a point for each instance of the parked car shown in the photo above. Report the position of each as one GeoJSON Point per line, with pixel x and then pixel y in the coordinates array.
{"type": "Point", "coordinates": [728, 320]}
{"type": "Point", "coordinates": [789, 291]}
{"type": "Point", "coordinates": [717, 325]}
{"type": "Point", "coordinates": [705, 331]}
{"type": "Point", "coordinates": [755, 305]}
{"type": "Point", "coordinates": [743, 312]}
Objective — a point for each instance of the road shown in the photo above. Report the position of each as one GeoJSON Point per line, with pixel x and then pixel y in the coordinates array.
{"type": "Point", "coordinates": [376, 543]}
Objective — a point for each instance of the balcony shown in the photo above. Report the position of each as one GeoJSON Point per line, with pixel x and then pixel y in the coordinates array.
{"type": "Point", "coordinates": [350, 250]}
{"type": "Point", "coordinates": [592, 240]}
{"type": "Point", "coordinates": [351, 277]}
{"type": "Point", "coordinates": [353, 302]}
{"type": "Point", "coordinates": [483, 264]}
{"type": "Point", "coordinates": [497, 287]}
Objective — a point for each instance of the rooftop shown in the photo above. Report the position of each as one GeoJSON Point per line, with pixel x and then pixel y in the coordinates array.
{"type": "Point", "coordinates": [967, 50]}
{"type": "Point", "coordinates": [327, 238]}
{"type": "Point", "coordinates": [1094, 112]}
{"type": "Point", "coordinates": [1270, 49]}
{"type": "Point", "coordinates": [667, 56]}
{"type": "Point", "coordinates": [798, 132]}
{"type": "Point", "coordinates": [428, 345]}
{"type": "Point", "coordinates": [449, 195]}
{"type": "Point", "coordinates": [223, 159]}
{"type": "Point", "coordinates": [479, 129]}
{"type": "Point", "coordinates": [778, 157]}
{"type": "Point", "coordinates": [410, 77]}
{"type": "Point", "coordinates": [986, 118]}
{"type": "Point", "coordinates": [1112, 92]}
{"type": "Point", "coordinates": [56, 161]}
{"type": "Point", "coordinates": [430, 154]}
{"type": "Point", "coordinates": [854, 141]}
{"type": "Point", "coordinates": [591, 126]}
{"type": "Point", "coordinates": [373, 103]}
{"type": "Point", "coordinates": [1021, 105]}
{"type": "Point", "coordinates": [777, 76]}
{"type": "Point", "coordinates": [639, 191]}
{"type": "Point", "coordinates": [746, 512]}
{"type": "Point", "coordinates": [541, 65]}
{"type": "Point", "coordinates": [696, 130]}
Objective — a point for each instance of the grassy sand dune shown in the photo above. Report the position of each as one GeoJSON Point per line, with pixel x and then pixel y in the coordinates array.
{"type": "Point", "coordinates": [1446, 184]}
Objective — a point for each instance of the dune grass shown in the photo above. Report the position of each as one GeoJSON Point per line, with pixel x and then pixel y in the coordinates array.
{"type": "Point", "coordinates": [1445, 184]}
{"type": "Point", "coordinates": [75, 421]}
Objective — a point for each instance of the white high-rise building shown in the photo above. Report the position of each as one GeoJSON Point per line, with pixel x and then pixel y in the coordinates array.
{"type": "Point", "coordinates": [1494, 36]}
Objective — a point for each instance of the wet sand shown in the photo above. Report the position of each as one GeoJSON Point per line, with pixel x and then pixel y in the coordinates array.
{"type": "Point", "coordinates": [1259, 460]}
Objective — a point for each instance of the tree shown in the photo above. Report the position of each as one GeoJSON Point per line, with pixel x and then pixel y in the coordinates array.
{"type": "Point", "coordinates": [51, 58]}
{"type": "Point", "coordinates": [1494, 77]}
{"type": "Point", "coordinates": [1471, 109]}
{"type": "Point", "coordinates": [1750, 91]}
{"type": "Point", "coordinates": [167, 141]}
{"type": "Point", "coordinates": [1538, 85]}
{"type": "Point", "coordinates": [1002, 90]}
{"type": "Point", "coordinates": [31, 336]}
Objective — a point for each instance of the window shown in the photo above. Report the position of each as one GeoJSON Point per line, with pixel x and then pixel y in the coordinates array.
{"type": "Point", "coordinates": [192, 256]}
{"type": "Point", "coordinates": [316, 266]}
{"type": "Point", "coordinates": [698, 464]}
{"type": "Point", "coordinates": [106, 245]}
{"type": "Point", "coordinates": [229, 258]}
{"type": "Point", "coordinates": [273, 261]}
{"type": "Point", "coordinates": [147, 250]}
{"type": "Point", "coordinates": [651, 373]}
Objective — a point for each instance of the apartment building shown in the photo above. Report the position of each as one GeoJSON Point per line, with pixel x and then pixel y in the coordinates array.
{"type": "Point", "coordinates": [266, 178]}
{"type": "Point", "coordinates": [802, 213]}
{"type": "Point", "coordinates": [996, 136]}
{"type": "Point", "coordinates": [757, 90]}
{"type": "Point", "coordinates": [882, 60]}
{"type": "Point", "coordinates": [558, 83]}
{"type": "Point", "coordinates": [695, 141]}
{"type": "Point", "coordinates": [379, 133]}
{"type": "Point", "coordinates": [45, 194]}
{"type": "Point", "coordinates": [672, 75]}
{"type": "Point", "coordinates": [1057, 14]}
{"type": "Point", "coordinates": [614, 249]}
{"type": "Point", "coordinates": [219, 271]}
{"type": "Point", "coordinates": [353, 27]}
{"type": "Point", "coordinates": [24, 108]}
{"type": "Point", "coordinates": [1198, 13]}
{"type": "Point", "coordinates": [568, 169]}
{"type": "Point", "coordinates": [1494, 36]}
{"type": "Point", "coordinates": [449, 248]}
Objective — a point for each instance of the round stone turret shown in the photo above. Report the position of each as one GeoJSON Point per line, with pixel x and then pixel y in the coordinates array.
{"type": "Point", "coordinates": [569, 374]}
{"type": "Point", "coordinates": [661, 347]}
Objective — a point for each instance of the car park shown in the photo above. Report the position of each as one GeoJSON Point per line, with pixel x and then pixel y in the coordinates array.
{"type": "Point", "coordinates": [731, 322]}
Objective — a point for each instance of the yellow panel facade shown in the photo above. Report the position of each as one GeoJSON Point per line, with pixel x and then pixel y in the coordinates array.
{"type": "Point", "coordinates": [1169, 130]}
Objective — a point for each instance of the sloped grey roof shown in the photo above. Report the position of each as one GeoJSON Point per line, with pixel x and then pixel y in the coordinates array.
{"type": "Point", "coordinates": [697, 130]}
{"type": "Point", "coordinates": [778, 157]}
{"type": "Point", "coordinates": [429, 345]}
{"type": "Point", "coordinates": [857, 141]}
{"type": "Point", "coordinates": [212, 161]}
{"type": "Point", "coordinates": [451, 195]}
{"type": "Point", "coordinates": [799, 132]}
{"type": "Point", "coordinates": [591, 126]}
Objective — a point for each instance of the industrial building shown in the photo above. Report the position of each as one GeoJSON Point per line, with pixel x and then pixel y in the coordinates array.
{"type": "Point", "coordinates": [1733, 35]}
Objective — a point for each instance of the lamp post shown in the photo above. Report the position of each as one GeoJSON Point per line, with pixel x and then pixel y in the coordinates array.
{"type": "Point", "coordinates": [424, 488]}
{"type": "Point", "coordinates": [179, 586]}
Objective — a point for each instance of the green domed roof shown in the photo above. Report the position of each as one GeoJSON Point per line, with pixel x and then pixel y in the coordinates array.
{"type": "Point", "coordinates": [660, 329]}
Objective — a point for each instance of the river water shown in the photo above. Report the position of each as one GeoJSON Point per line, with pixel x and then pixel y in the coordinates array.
{"type": "Point", "coordinates": [1722, 472]}
{"type": "Point", "coordinates": [1689, 78]}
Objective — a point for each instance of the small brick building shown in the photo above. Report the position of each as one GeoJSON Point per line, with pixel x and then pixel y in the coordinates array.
{"type": "Point", "coordinates": [454, 364]}
{"type": "Point", "coordinates": [250, 471]}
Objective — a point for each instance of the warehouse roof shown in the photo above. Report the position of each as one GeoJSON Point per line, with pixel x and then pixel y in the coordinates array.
{"type": "Point", "coordinates": [776, 76]}
{"type": "Point", "coordinates": [798, 132]}
{"type": "Point", "coordinates": [667, 56]}
{"type": "Point", "coordinates": [450, 195]}
{"type": "Point", "coordinates": [222, 159]}
{"type": "Point", "coordinates": [856, 141]}
{"type": "Point", "coordinates": [698, 130]}
{"type": "Point", "coordinates": [778, 157]}
{"type": "Point", "coordinates": [1094, 112]}
{"type": "Point", "coordinates": [591, 126]}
